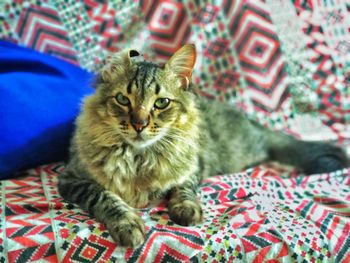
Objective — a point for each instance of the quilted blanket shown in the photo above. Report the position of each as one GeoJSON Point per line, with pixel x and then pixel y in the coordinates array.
{"type": "Point", "coordinates": [254, 216]}
{"type": "Point", "coordinates": [286, 63]}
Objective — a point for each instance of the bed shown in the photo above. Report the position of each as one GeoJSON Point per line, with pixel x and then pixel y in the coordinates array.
{"type": "Point", "coordinates": [284, 63]}
{"type": "Point", "coordinates": [254, 216]}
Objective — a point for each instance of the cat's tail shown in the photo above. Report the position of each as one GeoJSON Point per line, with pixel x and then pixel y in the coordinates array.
{"type": "Point", "coordinates": [309, 157]}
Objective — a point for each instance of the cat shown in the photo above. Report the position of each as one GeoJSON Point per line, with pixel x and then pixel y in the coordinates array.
{"type": "Point", "coordinates": [144, 134]}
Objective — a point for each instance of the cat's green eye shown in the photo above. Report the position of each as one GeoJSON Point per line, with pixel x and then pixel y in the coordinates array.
{"type": "Point", "coordinates": [162, 103]}
{"type": "Point", "coordinates": [122, 100]}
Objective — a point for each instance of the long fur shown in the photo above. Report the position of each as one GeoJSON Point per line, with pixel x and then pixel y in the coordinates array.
{"type": "Point", "coordinates": [115, 167]}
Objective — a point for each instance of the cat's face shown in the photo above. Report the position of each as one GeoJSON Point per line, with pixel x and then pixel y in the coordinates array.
{"type": "Point", "coordinates": [143, 101]}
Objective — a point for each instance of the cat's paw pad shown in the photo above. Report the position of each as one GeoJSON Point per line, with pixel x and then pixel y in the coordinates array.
{"type": "Point", "coordinates": [128, 231]}
{"type": "Point", "coordinates": [186, 212]}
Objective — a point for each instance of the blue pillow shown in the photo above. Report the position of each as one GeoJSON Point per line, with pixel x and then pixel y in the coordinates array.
{"type": "Point", "coordinates": [39, 99]}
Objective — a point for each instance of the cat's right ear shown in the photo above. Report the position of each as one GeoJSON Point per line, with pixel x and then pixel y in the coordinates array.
{"type": "Point", "coordinates": [182, 62]}
{"type": "Point", "coordinates": [118, 65]}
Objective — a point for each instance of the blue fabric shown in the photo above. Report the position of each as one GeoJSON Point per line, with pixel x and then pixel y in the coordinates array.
{"type": "Point", "coordinates": [39, 99]}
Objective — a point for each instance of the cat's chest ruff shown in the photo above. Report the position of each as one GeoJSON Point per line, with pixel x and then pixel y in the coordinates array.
{"type": "Point", "coordinates": [122, 162]}
{"type": "Point", "coordinates": [136, 176]}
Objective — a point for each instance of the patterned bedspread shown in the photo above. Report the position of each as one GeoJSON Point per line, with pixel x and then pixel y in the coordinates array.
{"type": "Point", "coordinates": [254, 216]}
{"type": "Point", "coordinates": [286, 63]}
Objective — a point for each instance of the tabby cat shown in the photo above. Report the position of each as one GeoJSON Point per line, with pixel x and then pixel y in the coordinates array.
{"type": "Point", "coordinates": [143, 134]}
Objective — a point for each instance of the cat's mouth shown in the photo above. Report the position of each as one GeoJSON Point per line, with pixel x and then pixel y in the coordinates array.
{"type": "Point", "coordinates": [139, 138]}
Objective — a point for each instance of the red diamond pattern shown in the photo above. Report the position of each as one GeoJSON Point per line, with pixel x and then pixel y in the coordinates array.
{"type": "Point", "coordinates": [259, 55]}
{"type": "Point", "coordinates": [40, 28]}
{"type": "Point", "coordinates": [169, 26]}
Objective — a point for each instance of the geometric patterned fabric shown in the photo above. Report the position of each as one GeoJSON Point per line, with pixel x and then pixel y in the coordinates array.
{"type": "Point", "coordinates": [289, 68]}
{"type": "Point", "coordinates": [254, 216]}
{"type": "Point", "coordinates": [286, 63]}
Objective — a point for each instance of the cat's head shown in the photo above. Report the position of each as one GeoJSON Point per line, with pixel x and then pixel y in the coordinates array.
{"type": "Point", "coordinates": [143, 102]}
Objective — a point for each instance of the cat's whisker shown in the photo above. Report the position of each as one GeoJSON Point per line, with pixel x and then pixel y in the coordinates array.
{"type": "Point", "coordinates": [181, 136]}
{"type": "Point", "coordinates": [172, 139]}
{"type": "Point", "coordinates": [186, 142]}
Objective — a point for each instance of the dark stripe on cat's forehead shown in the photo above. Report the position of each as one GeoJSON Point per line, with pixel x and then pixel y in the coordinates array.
{"type": "Point", "coordinates": [157, 88]}
{"type": "Point", "coordinates": [147, 65]}
{"type": "Point", "coordinates": [132, 81]}
{"type": "Point", "coordinates": [129, 87]}
{"type": "Point", "coordinates": [145, 76]}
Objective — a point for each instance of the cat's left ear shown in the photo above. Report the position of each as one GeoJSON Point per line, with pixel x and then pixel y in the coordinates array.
{"type": "Point", "coordinates": [119, 64]}
{"type": "Point", "coordinates": [182, 63]}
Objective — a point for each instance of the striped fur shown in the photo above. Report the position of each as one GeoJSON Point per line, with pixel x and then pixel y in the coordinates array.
{"type": "Point", "coordinates": [144, 135]}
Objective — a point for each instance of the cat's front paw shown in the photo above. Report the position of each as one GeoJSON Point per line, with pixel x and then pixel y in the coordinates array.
{"type": "Point", "coordinates": [185, 212]}
{"type": "Point", "coordinates": [128, 231]}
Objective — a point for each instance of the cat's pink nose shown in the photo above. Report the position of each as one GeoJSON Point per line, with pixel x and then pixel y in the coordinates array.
{"type": "Point", "coordinates": [139, 123]}
{"type": "Point", "coordinates": [139, 127]}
